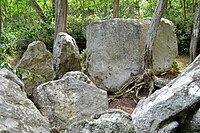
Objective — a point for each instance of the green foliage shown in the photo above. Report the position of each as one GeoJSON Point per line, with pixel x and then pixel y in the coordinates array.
{"type": "Point", "coordinates": [183, 32]}
{"type": "Point", "coordinates": [175, 66]}
{"type": "Point", "coordinates": [76, 27]}
{"type": "Point", "coordinates": [40, 31]}
{"type": "Point", "coordinates": [21, 26]}
{"type": "Point", "coordinates": [6, 65]}
{"type": "Point", "coordinates": [7, 45]}
{"type": "Point", "coordinates": [12, 40]}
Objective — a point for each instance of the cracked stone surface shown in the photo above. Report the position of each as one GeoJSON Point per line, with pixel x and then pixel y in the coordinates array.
{"type": "Point", "coordinates": [17, 113]}
{"type": "Point", "coordinates": [69, 99]}
{"type": "Point", "coordinates": [11, 76]}
{"type": "Point", "coordinates": [111, 121]}
{"type": "Point", "coordinates": [172, 103]}
{"type": "Point", "coordinates": [115, 50]}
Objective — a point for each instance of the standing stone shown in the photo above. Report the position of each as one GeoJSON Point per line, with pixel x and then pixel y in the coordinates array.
{"type": "Point", "coordinates": [17, 113]}
{"type": "Point", "coordinates": [115, 50]}
{"type": "Point", "coordinates": [111, 121]}
{"type": "Point", "coordinates": [39, 62]}
{"type": "Point", "coordinates": [170, 107]}
{"type": "Point", "coordinates": [69, 99]}
{"type": "Point", "coordinates": [66, 56]}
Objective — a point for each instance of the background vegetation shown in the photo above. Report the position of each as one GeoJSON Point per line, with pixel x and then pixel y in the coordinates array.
{"type": "Point", "coordinates": [21, 24]}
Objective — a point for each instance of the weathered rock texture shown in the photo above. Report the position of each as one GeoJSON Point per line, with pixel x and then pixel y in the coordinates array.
{"type": "Point", "coordinates": [17, 113]}
{"type": "Point", "coordinates": [66, 56]}
{"type": "Point", "coordinates": [39, 61]}
{"type": "Point", "coordinates": [170, 107]}
{"type": "Point", "coordinates": [161, 82]}
{"type": "Point", "coordinates": [69, 99]}
{"type": "Point", "coordinates": [112, 121]}
{"type": "Point", "coordinates": [11, 76]}
{"type": "Point", "coordinates": [115, 50]}
{"type": "Point", "coordinates": [79, 76]}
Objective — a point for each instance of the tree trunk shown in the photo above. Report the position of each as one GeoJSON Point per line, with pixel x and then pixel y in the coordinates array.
{"type": "Point", "coordinates": [184, 8]}
{"type": "Point", "coordinates": [193, 6]}
{"type": "Point", "coordinates": [194, 38]}
{"type": "Point", "coordinates": [60, 16]}
{"type": "Point", "coordinates": [116, 9]}
{"type": "Point", "coordinates": [148, 74]}
{"type": "Point", "coordinates": [0, 20]}
{"type": "Point", "coordinates": [38, 10]}
{"type": "Point", "coordinates": [138, 9]}
{"type": "Point", "coordinates": [137, 85]}
{"type": "Point", "coordinates": [148, 63]}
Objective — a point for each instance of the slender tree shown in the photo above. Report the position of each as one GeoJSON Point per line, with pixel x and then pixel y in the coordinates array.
{"type": "Point", "coordinates": [0, 20]}
{"type": "Point", "coordinates": [148, 60]}
{"type": "Point", "coordinates": [193, 6]}
{"type": "Point", "coordinates": [146, 79]}
{"type": "Point", "coordinates": [116, 9]}
{"type": "Point", "coordinates": [38, 10]}
{"type": "Point", "coordinates": [194, 37]}
{"type": "Point", "coordinates": [184, 9]}
{"type": "Point", "coordinates": [60, 16]}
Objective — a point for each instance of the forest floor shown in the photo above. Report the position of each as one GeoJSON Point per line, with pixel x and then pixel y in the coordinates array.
{"type": "Point", "coordinates": [128, 104]}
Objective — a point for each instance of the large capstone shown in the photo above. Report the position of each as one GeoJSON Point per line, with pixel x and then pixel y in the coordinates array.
{"type": "Point", "coordinates": [66, 55]}
{"type": "Point", "coordinates": [170, 108]}
{"type": "Point", "coordinates": [17, 113]}
{"type": "Point", "coordinates": [115, 50]}
{"type": "Point", "coordinates": [36, 66]}
{"type": "Point", "coordinates": [69, 99]}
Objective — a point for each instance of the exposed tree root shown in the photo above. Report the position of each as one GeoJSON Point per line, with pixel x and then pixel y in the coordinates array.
{"type": "Point", "coordinates": [137, 87]}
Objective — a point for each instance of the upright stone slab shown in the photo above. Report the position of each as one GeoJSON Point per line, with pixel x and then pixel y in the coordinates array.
{"type": "Point", "coordinates": [17, 113]}
{"type": "Point", "coordinates": [69, 99]}
{"type": "Point", "coordinates": [39, 61]}
{"type": "Point", "coordinates": [115, 50]}
{"type": "Point", "coordinates": [66, 56]}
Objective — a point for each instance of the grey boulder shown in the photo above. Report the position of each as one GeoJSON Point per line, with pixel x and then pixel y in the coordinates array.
{"type": "Point", "coordinates": [39, 62]}
{"type": "Point", "coordinates": [17, 113]}
{"type": "Point", "coordinates": [69, 99]}
{"type": "Point", "coordinates": [11, 76]}
{"type": "Point", "coordinates": [111, 121]}
{"type": "Point", "coordinates": [66, 55]}
{"type": "Point", "coordinates": [115, 50]}
{"type": "Point", "coordinates": [171, 106]}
